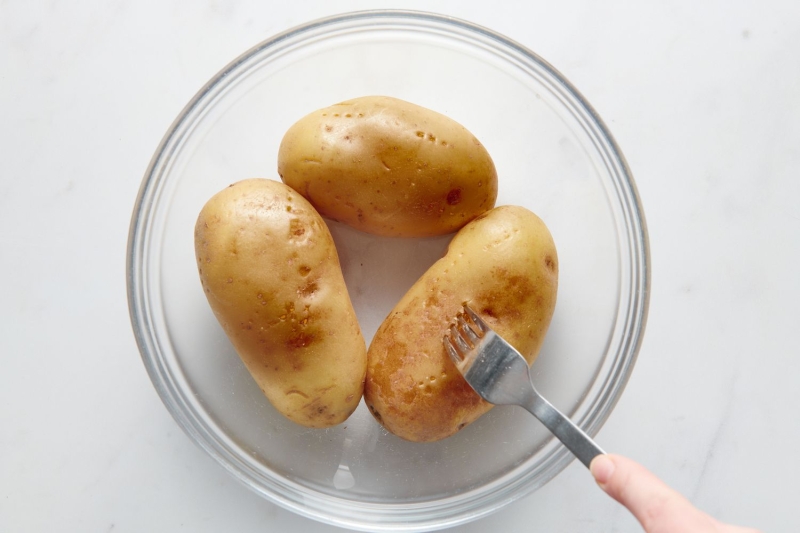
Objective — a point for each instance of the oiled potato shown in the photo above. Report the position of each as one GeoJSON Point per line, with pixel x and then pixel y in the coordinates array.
{"type": "Point", "coordinates": [388, 167]}
{"type": "Point", "coordinates": [270, 271]}
{"type": "Point", "coordinates": [504, 265]}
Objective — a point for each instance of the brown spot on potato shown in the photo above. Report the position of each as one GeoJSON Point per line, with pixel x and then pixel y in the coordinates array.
{"type": "Point", "coordinates": [300, 340]}
{"type": "Point", "coordinates": [549, 263]}
{"type": "Point", "coordinates": [308, 290]}
{"type": "Point", "coordinates": [432, 301]}
{"type": "Point", "coordinates": [296, 228]}
{"type": "Point", "coordinates": [454, 197]}
{"type": "Point", "coordinates": [304, 270]}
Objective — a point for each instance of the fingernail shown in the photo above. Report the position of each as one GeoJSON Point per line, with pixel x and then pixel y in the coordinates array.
{"type": "Point", "coordinates": [602, 468]}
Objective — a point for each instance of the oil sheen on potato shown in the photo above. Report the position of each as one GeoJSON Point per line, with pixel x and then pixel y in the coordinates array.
{"type": "Point", "coordinates": [504, 265]}
{"type": "Point", "coordinates": [270, 271]}
{"type": "Point", "coordinates": [388, 167]}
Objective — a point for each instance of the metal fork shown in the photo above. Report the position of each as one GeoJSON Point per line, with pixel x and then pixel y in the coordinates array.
{"type": "Point", "coordinates": [500, 375]}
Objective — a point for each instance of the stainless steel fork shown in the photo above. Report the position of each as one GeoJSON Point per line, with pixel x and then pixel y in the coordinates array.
{"type": "Point", "coordinates": [500, 375]}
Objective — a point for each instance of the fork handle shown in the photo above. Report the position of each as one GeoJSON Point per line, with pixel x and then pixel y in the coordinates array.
{"type": "Point", "coordinates": [573, 437]}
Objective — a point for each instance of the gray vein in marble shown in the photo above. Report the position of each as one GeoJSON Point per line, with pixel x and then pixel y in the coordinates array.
{"type": "Point", "coordinates": [717, 435]}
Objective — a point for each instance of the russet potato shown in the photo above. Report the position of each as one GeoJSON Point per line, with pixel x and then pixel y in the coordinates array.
{"type": "Point", "coordinates": [271, 274]}
{"type": "Point", "coordinates": [504, 265]}
{"type": "Point", "coordinates": [388, 167]}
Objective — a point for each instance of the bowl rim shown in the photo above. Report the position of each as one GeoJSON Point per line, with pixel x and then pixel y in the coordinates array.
{"type": "Point", "coordinates": [340, 511]}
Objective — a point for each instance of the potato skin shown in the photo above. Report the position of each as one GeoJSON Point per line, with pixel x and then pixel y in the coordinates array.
{"type": "Point", "coordinates": [270, 271]}
{"type": "Point", "coordinates": [504, 265]}
{"type": "Point", "coordinates": [388, 167]}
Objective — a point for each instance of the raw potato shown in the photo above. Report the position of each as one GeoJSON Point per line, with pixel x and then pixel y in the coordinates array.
{"type": "Point", "coordinates": [388, 167]}
{"type": "Point", "coordinates": [504, 265]}
{"type": "Point", "coordinates": [270, 271]}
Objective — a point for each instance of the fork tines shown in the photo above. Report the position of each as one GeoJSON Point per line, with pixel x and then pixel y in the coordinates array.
{"type": "Point", "coordinates": [468, 329]}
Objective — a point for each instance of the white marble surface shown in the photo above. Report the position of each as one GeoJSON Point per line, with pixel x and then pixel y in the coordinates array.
{"type": "Point", "coordinates": [704, 99]}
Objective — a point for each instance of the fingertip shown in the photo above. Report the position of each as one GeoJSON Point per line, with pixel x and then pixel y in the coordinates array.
{"type": "Point", "coordinates": [602, 468]}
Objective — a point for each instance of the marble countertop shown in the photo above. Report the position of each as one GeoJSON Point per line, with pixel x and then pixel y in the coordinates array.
{"type": "Point", "coordinates": [703, 98]}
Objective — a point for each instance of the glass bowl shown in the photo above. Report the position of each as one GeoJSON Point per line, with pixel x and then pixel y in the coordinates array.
{"type": "Point", "coordinates": [553, 155]}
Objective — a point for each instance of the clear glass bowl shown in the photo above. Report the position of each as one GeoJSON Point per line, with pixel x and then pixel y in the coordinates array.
{"type": "Point", "coordinates": [553, 155]}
